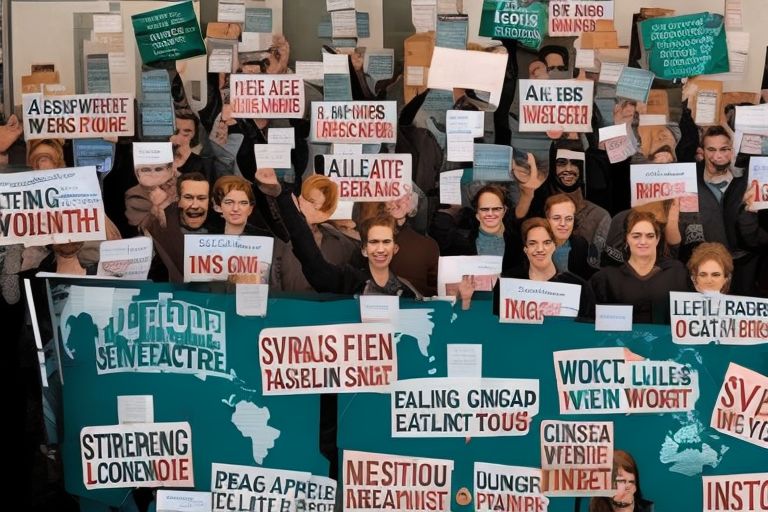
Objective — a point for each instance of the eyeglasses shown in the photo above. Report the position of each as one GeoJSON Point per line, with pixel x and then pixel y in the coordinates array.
{"type": "Point", "coordinates": [491, 209]}
{"type": "Point", "coordinates": [229, 203]}
{"type": "Point", "coordinates": [532, 244]}
{"type": "Point", "coordinates": [557, 219]}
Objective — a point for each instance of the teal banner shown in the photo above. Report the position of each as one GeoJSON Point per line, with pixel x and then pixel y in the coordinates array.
{"type": "Point", "coordinates": [170, 33]}
{"type": "Point", "coordinates": [522, 20]}
{"type": "Point", "coordinates": [683, 46]}
{"type": "Point", "coordinates": [203, 366]}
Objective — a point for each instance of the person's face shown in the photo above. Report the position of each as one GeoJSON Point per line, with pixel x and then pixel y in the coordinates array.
{"type": "Point", "coordinates": [717, 154]}
{"type": "Point", "coordinates": [661, 136]}
{"type": "Point", "coordinates": [154, 175]}
{"type": "Point", "coordinates": [490, 212]}
{"type": "Point", "coordinates": [642, 239]}
{"type": "Point", "coordinates": [539, 248]}
{"type": "Point", "coordinates": [235, 208]}
{"type": "Point", "coordinates": [555, 62]}
{"type": "Point", "coordinates": [311, 208]}
{"type": "Point", "coordinates": [67, 250]}
{"type": "Point", "coordinates": [399, 208]}
{"type": "Point", "coordinates": [380, 247]}
{"type": "Point", "coordinates": [44, 161]}
{"type": "Point", "coordinates": [626, 486]}
{"type": "Point", "coordinates": [561, 218]}
{"type": "Point", "coordinates": [566, 171]}
{"type": "Point", "coordinates": [709, 277]}
{"type": "Point", "coordinates": [538, 70]}
{"type": "Point", "coordinates": [193, 203]}
{"type": "Point", "coordinates": [185, 129]}
{"type": "Point", "coordinates": [624, 112]}
{"type": "Point", "coordinates": [665, 157]}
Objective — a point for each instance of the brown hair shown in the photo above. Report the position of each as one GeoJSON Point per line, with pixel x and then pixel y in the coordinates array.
{"type": "Point", "coordinates": [625, 461]}
{"type": "Point", "coordinates": [38, 147]}
{"type": "Point", "coordinates": [713, 251]}
{"type": "Point", "coordinates": [227, 184]}
{"type": "Point", "coordinates": [496, 190]}
{"type": "Point", "coordinates": [715, 131]}
{"type": "Point", "coordinates": [190, 176]}
{"type": "Point", "coordinates": [536, 222]}
{"type": "Point", "coordinates": [636, 216]}
{"type": "Point", "coordinates": [324, 184]}
{"type": "Point", "coordinates": [380, 219]}
{"type": "Point", "coordinates": [557, 199]}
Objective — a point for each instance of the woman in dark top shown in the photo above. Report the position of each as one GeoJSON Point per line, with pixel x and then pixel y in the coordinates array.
{"type": "Point", "coordinates": [626, 481]}
{"type": "Point", "coordinates": [572, 251]}
{"type": "Point", "coordinates": [645, 280]}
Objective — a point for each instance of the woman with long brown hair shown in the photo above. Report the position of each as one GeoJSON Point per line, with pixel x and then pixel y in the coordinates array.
{"type": "Point", "coordinates": [626, 480]}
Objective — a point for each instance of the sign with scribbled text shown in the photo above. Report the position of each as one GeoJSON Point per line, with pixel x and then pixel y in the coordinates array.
{"type": "Point", "coordinates": [383, 177]}
{"type": "Point", "coordinates": [267, 96]}
{"type": "Point", "coordinates": [78, 116]}
{"type": "Point", "coordinates": [574, 17]}
{"type": "Point", "coordinates": [500, 487]}
{"type": "Point", "coordinates": [741, 409]}
{"type": "Point", "coordinates": [747, 492]}
{"type": "Point", "coordinates": [556, 105]}
{"type": "Point", "coordinates": [354, 122]}
{"type": "Point", "coordinates": [700, 319]}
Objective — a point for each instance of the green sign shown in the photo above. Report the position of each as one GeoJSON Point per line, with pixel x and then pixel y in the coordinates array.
{"type": "Point", "coordinates": [683, 46]}
{"type": "Point", "coordinates": [170, 33]}
{"type": "Point", "coordinates": [522, 20]}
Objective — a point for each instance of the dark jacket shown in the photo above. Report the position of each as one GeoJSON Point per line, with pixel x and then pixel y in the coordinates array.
{"type": "Point", "coordinates": [578, 258]}
{"type": "Point", "coordinates": [417, 260]}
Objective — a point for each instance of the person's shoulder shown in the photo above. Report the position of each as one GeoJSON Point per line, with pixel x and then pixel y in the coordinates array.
{"type": "Point", "coordinates": [670, 264]}
{"type": "Point", "coordinates": [568, 278]}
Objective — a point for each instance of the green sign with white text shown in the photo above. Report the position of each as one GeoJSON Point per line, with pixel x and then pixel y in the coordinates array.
{"type": "Point", "coordinates": [521, 20]}
{"type": "Point", "coordinates": [170, 33]}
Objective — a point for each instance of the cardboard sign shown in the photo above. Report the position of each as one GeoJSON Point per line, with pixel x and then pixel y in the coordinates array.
{"type": "Point", "coordinates": [216, 257]}
{"type": "Point", "coordinates": [51, 207]}
{"type": "Point", "coordinates": [657, 182]}
{"type": "Point", "coordinates": [346, 358]}
{"type": "Point", "coordinates": [683, 46]}
{"type": "Point", "coordinates": [137, 455]}
{"type": "Point", "coordinates": [235, 487]}
{"type": "Point", "coordinates": [380, 482]}
{"type": "Point", "coordinates": [758, 182]}
{"type": "Point", "coordinates": [556, 105]}
{"type": "Point", "coordinates": [741, 409]}
{"type": "Point", "coordinates": [79, 116]}
{"type": "Point", "coordinates": [577, 458]}
{"type": "Point", "coordinates": [522, 301]}
{"type": "Point", "coordinates": [572, 18]}
{"type": "Point", "coordinates": [267, 96]}
{"type": "Point", "coordinates": [169, 33]}
{"type": "Point", "coordinates": [354, 122]}
{"type": "Point", "coordinates": [523, 21]}
{"type": "Point", "coordinates": [745, 493]}
{"type": "Point", "coordinates": [383, 177]}
{"type": "Point", "coordinates": [499, 487]}
{"type": "Point", "coordinates": [700, 319]}
{"type": "Point", "coordinates": [446, 407]}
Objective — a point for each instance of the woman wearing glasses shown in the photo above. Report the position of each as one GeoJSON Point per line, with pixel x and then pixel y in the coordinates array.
{"type": "Point", "coordinates": [626, 480]}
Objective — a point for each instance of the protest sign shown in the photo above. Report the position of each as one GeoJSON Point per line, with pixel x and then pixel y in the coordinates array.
{"type": "Point", "coordinates": [556, 105]}
{"type": "Point", "coordinates": [700, 319]}
{"type": "Point", "coordinates": [741, 409]}
{"type": "Point", "coordinates": [445, 407]}
{"type": "Point", "coordinates": [216, 257]}
{"type": "Point", "coordinates": [125, 259]}
{"type": "Point", "coordinates": [169, 33]}
{"type": "Point", "coordinates": [683, 46]}
{"type": "Point", "coordinates": [576, 458]}
{"type": "Point", "coordinates": [79, 116]}
{"type": "Point", "coordinates": [499, 487]}
{"type": "Point", "coordinates": [380, 482]}
{"type": "Point", "coordinates": [267, 96]}
{"type": "Point", "coordinates": [51, 207]}
{"type": "Point", "coordinates": [344, 358]}
{"type": "Point", "coordinates": [482, 270]}
{"type": "Point", "coordinates": [744, 493]}
{"type": "Point", "coordinates": [480, 71]}
{"type": "Point", "coordinates": [634, 84]}
{"type": "Point", "coordinates": [235, 487]}
{"type": "Point", "coordinates": [521, 20]}
{"type": "Point", "coordinates": [614, 381]}
{"type": "Point", "coordinates": [152, 153]}
{"type": "Point", "coordinates": [572, 18]}
{"type": "Point", "coordinates": [522, 301]}
{"type": "Point", "coordinates": [183, 501]}
{"type": "Point", "coordinates": [657, 182]}
{"type": "Point", "coordinates": [321, 494]}
{"type": "Point", "coordinates": [619, 144]}
{"type": "Point", "coordinates": [758, 182]}
{"type": "Point", "coordinates": [137, 455]}
{"type": "Point", "coordinates": [384, 177]}
{"type": "Point", "coordinates": [354, 121]}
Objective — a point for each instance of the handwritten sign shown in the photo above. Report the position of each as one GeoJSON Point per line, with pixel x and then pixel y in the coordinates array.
{"type": "Point", "coordinates": [216, 257]}
{"type": "Point", "coordinates": [657, 182]}
{"type": "Point", "coordinates": [499, 487]}
{"type": "Point", "coordinates": [572, 18]}
{"type": "Point", "coordinates": [51, 207]}
{"type": "Point", "coordinates": [522, 301]}
{"type": "Point", "coordinates": [741, 409]}
{"type": "Point", "coordinates": [523, 21]}
{"type": "Point", "coordinates": [78, 116]}
{"type": "Point", "coordinates": [137, 455]}
{"type": "Point", "coordinates": [699, 319]}
{"type": "Point", "coordinates": [267, 96]}
{"type": "Point", "coordinates": [235, 487]}
{"type": "Point", "coordinates": [384, 177]}
{"type": "Point", "coordinates": [169, 33]}
{"type": "Point", "coordinates": [745, 492]}
{"type": "Point", "coordinates": [354, 121]}
{"type": "Point", "coordinates": [556, 105]}
{"type": "Point", "coordinates": [758, 182]}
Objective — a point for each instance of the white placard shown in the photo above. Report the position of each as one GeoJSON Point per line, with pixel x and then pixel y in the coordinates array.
{"type": "Point", "coordinates": [613, 317]}
{"type": "Point", "coordinates": [481, 71]}
{"type": "Point", "coordinates": [379, 308]}
{"type": "Point", "coordinates": [128, 259]}
{"type": "Point", "coordinates": [556, 105]}
{"type": "Point", "coordinates": [450, 186]}
{"type": "Point", "coordinates": [267, 96]}
{"type": "Point", "coordinates": [484, 270]}
{"type": "Point", "coordinates": [657, 182]}
{"type": "Point", "coordinates": [364, 122]}
{"type": "Point", "coordinates": [107, 23]}
{"type": "Point", "coordinates": [281, 136]}
{"type": "Point", "coordinates": [80, 116]}
{"type": "Point", "coordinates": [216, 257]}
{"type": "Point", "coordinates": [135, 409]}
{"type": "Point", "coordinates": [524, 301]}
{"type": "Point", "coordinates": [465, 360]}
{"type": "Point", "coordinates": [183, 501]}
{"type": "Point", "coordinates": [251, 299]}
{"type": "Point", "coordinates": [276, 156]}
{"type": "Point", "coordinates": [152, 153]}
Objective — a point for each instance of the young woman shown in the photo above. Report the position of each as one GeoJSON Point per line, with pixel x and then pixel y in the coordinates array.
{"type": "Point", "coordinates": [711, 266]}
{"type": "Point", "coordinates": [571, 251]}
{"type": "Point", "coordinates": [233, 198]}
{"type": "Point", "coordinates": [626, 479]}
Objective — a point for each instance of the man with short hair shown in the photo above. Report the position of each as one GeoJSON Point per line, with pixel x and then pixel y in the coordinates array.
{"type": "Point", "coordinates": [194, 199]}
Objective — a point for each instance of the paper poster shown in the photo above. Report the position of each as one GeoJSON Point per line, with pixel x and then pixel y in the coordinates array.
{"type": "Point", "coordinates": [464, 360]}
{"type": "Point", "coordinates": [169, 33]}
{"type": "Point", "coordinates": [746, 492]}
{"type": "Point", "coordinates": [276, 156]}
{"type": "Point", "coordinates": [758, 182]}
{"type": "Point", "coordinates": [523, 301]}
{"type": "Point", "coordinates": [183, 501]}
{"type": "Point", "coordinates": [94, 152]}
{"type": "Point", "coordinates": [572, 18]}
{"type": "Point", "coordinates": [129, 258]}
{"type": "Point", "coordinates": [379, 308]}
{"type": "Point", "coordinates": [450, 186]}
{"type": "Point", "coordinates": [657, 182]}
{"type": "Point", "coordinates": [345, 358]}
{"type": "Point", "coordinates": [231, 11]}
{"type": "Point", "coordinates": [521, 20]}
{"type": "Point", "coordinates": [267, 96]}
{"type": "Point", "coordinates": [135, 409]}
{"type": "Point", "coordinates": [152, 153]}
{"type": "Point", "coordinates": [381, 177]}
{"type": "Point", "coordinates": [484, 271]}
{"type": "Point", "coordinates": [700, 319]}
{"type": "Point", "coordinates": [613, 317]}
{"type": "Point", "coordinates": [492, 162]}
{"type": "Point", "coordinates": [499, 487]}
{"type": "Point", "coordinates": [379, 482]}
{"type": "Point", "coordinates": [217, 257]}
{"type": "Point", "coordinates": [683, 46]}
{"type": "Point", "coordinates": [424, 15]}
{"type": "Point", "coordinates": [615, 381]}
{"type": "Point", "coordinates": [379, 64]}
{"type": "Point", "coordinates": [617, 141]}
{"type": "Point", "coordinates": [556, 105]}
{"type": "Point", "coordinates": [449, 407]}
{"type": "Point", "coordinates": [235, 487]}
{"type": "Point", "coordinates": [634, 84]}
{"type": "Point", "coordinates": [481, 71]}
{"type": "Point", "coordinates": [79, 116]}
{"type": "Point", "coordinates": [577, 458]}
{"type": "Point", "coordinates": [354, 122]}
{"type": "Point", "coordinates": [741, 409]}
{"type": "Point", "coordinates": [51, 207]}
{"type": "Point", "coordinates": [137, 455]}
